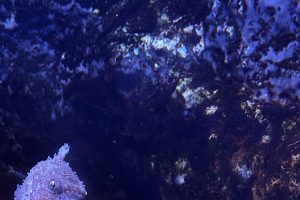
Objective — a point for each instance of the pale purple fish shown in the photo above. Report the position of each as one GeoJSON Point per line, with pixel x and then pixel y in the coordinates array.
{"type": "Point", "coordinates": [52, 179]}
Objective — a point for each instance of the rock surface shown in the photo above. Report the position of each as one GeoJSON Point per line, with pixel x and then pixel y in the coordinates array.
{"type": "Point", "coordinates": [158, 99]}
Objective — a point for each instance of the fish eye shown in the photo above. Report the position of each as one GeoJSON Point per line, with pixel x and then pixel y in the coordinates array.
{"type": "Point", "coordinates": [51, 184]}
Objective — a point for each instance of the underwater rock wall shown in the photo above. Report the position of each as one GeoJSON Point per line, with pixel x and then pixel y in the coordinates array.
{"type": "Point", "coordinates": [256, 43]}
{"type": "Point", "coordinates": [183, 100]}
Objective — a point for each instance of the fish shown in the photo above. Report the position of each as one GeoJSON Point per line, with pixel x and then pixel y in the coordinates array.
{"type": "Point", "coordinates": [52, 179]}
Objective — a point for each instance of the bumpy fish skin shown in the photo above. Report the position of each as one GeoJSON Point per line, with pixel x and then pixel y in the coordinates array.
{"type": "Point", "coordinates": [52, 179]}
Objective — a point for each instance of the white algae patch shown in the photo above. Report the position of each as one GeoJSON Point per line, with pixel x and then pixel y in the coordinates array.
{"type": "Point", "coordinates": [286, 53]}
{"type": "Point", "coordinates": [211, 110]}
{"type": "Point", "coordinates": [243, 172]}
{"type": "Point", "coordinates": [10, 23]}
{"type": "Point", "coordinates": [180, 179]}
